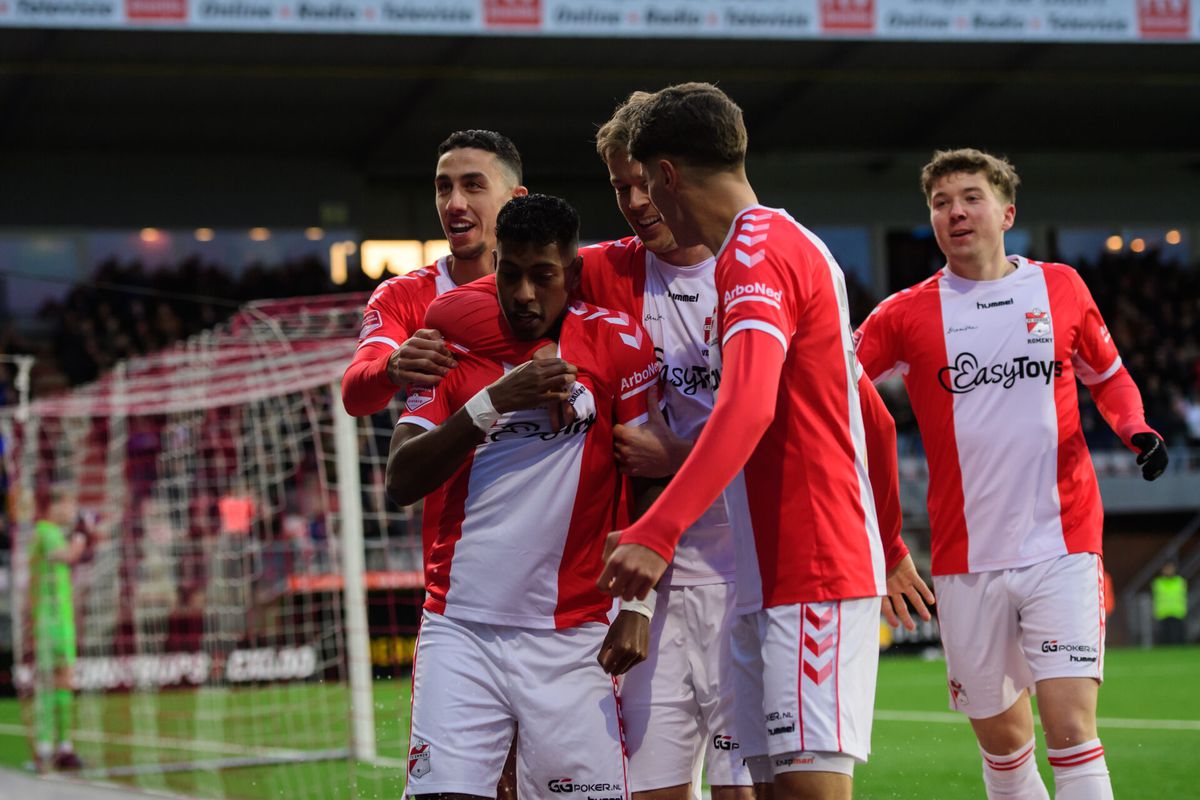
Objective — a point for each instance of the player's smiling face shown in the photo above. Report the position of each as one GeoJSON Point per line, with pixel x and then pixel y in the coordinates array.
{"type": "Point", "coordinates": [662, 185]}
{"type": "Point", "coordinates": [969, 218]}
{"type": "Point", "coordinates": [534, 284]}
{"type": "Point", "coordinates": [471, 185]}
{"type": "Point", "coordinates": [633, 198]}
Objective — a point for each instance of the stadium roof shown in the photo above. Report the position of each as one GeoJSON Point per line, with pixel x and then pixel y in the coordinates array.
{"type": "Point", "coordinates": [378, 105]}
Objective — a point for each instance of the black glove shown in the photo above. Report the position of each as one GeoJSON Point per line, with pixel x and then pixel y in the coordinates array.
{"type": "Point", "coordinates": [1152, 457]}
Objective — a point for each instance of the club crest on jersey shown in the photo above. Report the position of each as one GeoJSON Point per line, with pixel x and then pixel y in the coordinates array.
{"type": "Point", "coordinates": [372, 321]}
{"type": "Point", "coordinates": [1037, 322]}
{"type": "Point", "coordinates": [420, 398]}
{"type": "Point", "coordinates": [418, 758]}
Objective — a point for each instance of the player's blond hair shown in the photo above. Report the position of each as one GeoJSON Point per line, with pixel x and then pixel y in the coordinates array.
{"type": "Point", "coordinates": [613, 137]}
{"type": "Point", "coordinates": [1000, 174]}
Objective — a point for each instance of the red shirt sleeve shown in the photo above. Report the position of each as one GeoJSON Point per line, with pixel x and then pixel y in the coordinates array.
{"type": "Point", "coordinates": [745, 406]}
{"type": "Point", "coordinates": [366, 387]}
{"type": "Point", "coordinates": [883, 470]}
{"type": "Point", "coordinates": [470, 316]}
{"type": "Point", "coordinates": [430, 406]}
{"type": "Point", "coordinates": [877, 341]}
{"type": "Point", "coordinates": [763, 295]}
{"type": "Point", "coordinates": [634, 360]}
{"type": "Point", "coordinates": [1095, 358]}
{"type": "Point", "coordinates": [1120, 404]}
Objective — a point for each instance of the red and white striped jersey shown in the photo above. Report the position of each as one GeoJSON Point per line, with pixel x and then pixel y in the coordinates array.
{"type": "Point", "coordinates": [676, 306]}
{"type": "Point", "coordinates": [802, 509]}
{"type": "Point", "coordinates": [990, 369]}
{"type": "Point", "coordinates": [520, 539]}
{"type": "Point", "coordinates": [397, 306]}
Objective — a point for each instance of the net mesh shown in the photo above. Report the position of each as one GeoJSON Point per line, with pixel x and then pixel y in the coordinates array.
{"type": "Point", "coordinates": [212, 651]}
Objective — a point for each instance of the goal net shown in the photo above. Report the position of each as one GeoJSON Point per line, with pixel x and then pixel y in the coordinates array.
{"type": "Point", "coordinates": [246, 602]}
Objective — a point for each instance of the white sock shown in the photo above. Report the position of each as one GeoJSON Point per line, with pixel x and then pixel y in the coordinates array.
{"type": "Point", "coordinates": [1014, 775]}
{"type": "Point", "coordinates": [1080, 772]}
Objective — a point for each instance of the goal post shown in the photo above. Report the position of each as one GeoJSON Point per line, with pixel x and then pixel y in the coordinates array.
{"type": "Point", "coordinates": [246, 604]}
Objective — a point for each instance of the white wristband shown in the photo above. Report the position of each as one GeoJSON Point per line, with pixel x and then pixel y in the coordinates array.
{"type": "Point", "coordinates": [481, 410]}
{"type": "Point", "coordinates": [643, 607]}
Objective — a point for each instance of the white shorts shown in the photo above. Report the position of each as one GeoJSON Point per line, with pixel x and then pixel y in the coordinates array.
{"type": "Point", "coordinates": [471, 683]}
{"type": "Point", "coordinates": [804, 677]}
{"type": "Point", "coordinates": [1006, 629]}
{"type": "Point", "coordinates": [679, 701]}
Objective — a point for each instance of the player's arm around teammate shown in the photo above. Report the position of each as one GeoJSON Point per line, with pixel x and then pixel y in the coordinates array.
{"type": "Point", "coordinates": [477, 172]}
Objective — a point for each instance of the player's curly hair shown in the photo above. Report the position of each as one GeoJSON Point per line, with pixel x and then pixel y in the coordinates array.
{"type": "Point", "coordinates": [505, 151]}
{"type": "Point", "coordinates": [612, 139]}
{"type": "Point", "coordinates": [538, 219]}
{"type": "Point", "coordinates": [695, 122]}
{"type": "Point", "coordinates": [1000, 174]}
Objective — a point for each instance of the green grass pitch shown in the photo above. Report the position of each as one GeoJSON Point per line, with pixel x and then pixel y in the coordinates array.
{"type": "Point", "coordinates": [1149, 709]}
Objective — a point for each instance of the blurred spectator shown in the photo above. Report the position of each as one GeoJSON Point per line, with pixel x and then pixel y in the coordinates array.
{"type": "Point", "coordinates": [1169, 594]}
{"type": "Point", "coordinates": [1188, 407]}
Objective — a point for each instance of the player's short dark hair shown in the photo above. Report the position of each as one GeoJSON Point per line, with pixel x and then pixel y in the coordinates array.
{"type": "Point", "coordinates": [695, 122]}
{"type": "Point", "coordinates": [999, 172]}
{"type": "Point", "coordinates": [497, 143]}
{"type": "Point", "coordinates": [538, 219]}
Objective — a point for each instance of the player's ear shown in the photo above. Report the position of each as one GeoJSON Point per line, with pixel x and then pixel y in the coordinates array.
{"type": "Point", "coordinates": [1010, 216]}
{"type": "Point", "coordinates": [670, 175]}
{"type": "Point", "coordinates": [520, 191]}
{"type": "Point", "coordinates": [574, 273]}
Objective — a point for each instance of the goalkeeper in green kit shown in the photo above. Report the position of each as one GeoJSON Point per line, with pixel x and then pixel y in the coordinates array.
{"type": "Point", "coordinates": [55, 547]}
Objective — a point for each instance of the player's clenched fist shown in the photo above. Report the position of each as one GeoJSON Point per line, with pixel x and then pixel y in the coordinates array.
{"type": "Point", "coordinates": [533, 384]}
{"type": "Point", "coordinates": [626, 644]}
{"type": "Point", "coordinates": [631, 572]}
{"type": "Point", "coordinates": [423, 360]}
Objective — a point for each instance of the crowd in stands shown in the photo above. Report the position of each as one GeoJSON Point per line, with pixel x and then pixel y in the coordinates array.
{"type": "Point", "coordinates": [127, 310]}
{"type": "Point", "coordinates": [1152, 307]}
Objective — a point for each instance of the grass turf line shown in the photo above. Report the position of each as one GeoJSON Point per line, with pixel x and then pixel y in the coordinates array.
{"type": "Point", "coordinates": [910, 759]}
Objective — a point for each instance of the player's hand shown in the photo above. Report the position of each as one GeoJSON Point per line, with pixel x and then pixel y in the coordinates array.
{"type": "Point", "coordinates": [423, 359]}
{"type": "Point", "coordinates": [562, 413]}
{"type": "Point", "coordinates": [631, 572]}
{"type": "Point", "coordinates": [626, 644]}
{"type": "Point", "coordinates": [610, 543]}
{"type": "Point", "coordinates": [540, 382]}
{"type": "Point", "coordinates": [1152, 453]}
{"type": "Point", "coordinates": [903, 581]}
{"type": "Point", "coordinates": [651, 450]}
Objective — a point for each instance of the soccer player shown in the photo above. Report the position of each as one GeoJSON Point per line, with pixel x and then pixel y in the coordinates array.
{"type": "Point", "coordinates": [990, 347]}
{"type": "Point", "coordinates": [810, 561]}
{"type": "Point", "coordinates": [56, 546]}
{"type": "Point", "coordinates": [678, 704]}
{"type": "Point", "coordinates": [513, 620]}
{"type": "Point", "coordinates": [477, 172]}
